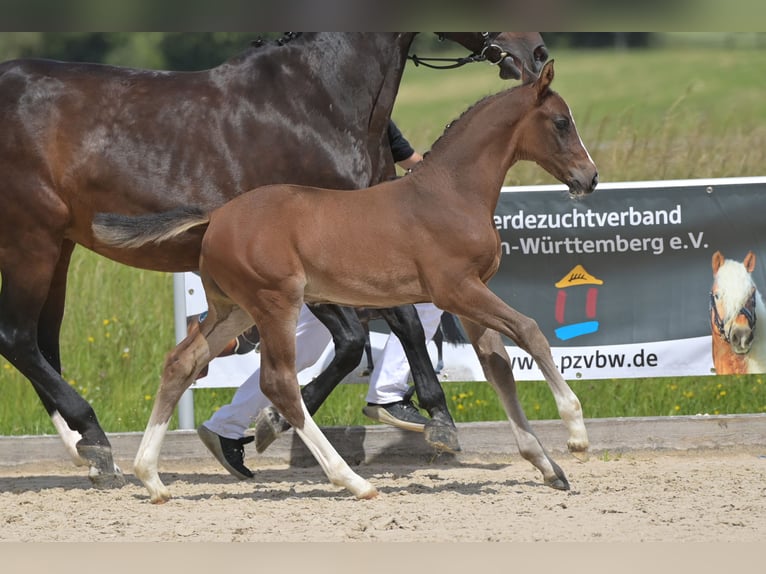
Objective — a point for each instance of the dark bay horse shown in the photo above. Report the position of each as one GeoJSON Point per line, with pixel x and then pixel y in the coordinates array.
{"type": "Point", "coordinates": [77, 139]}
{"type": "Point", "coordinates": [448, 330]}
{"type": "Point", "coordinates": [450, 252]}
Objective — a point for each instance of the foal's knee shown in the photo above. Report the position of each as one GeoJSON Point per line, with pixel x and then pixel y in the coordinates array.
{"type": "Point", "coordinates": [529, 333]}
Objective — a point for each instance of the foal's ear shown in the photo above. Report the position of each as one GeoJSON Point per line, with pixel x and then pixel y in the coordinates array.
{"type": "Point", "coordinates": [545, 79]}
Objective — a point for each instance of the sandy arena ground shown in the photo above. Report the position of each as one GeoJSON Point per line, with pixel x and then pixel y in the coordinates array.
{"type": "Point", "coordinates": [700, 496]}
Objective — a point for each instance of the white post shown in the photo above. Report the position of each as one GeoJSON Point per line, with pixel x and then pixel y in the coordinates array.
{"type": "Point", "coordinates": [186, 403]}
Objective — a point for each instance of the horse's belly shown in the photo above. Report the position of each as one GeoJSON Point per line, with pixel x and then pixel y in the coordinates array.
{"type": "Point", "coordinates": [359, 291]}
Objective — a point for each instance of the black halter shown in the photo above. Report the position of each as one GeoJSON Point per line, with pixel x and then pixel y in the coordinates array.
{"type": "Point", "coordinates": [481, 56]}
{"type": "Point", "coordinates": [748, 310]}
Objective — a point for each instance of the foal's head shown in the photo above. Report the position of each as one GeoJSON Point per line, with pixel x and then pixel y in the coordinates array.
{"type": "Point", "coordinates": [733, 301]}
{"type": "Point", "coordinates": [549, 137]}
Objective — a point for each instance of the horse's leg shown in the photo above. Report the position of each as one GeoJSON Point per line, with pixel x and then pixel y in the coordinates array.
{"type": "Point", "coordinates": [567, 403]}
{"type": "Point", "coordinates": [489, 349]}
{"type": "Point", "coordinates": [367, 347]}
{"type": "Point", "coordinates": [279, 383]}
{"type": "Point", "coordinates": [439, 342]}
{"type": "Point", "coordinates": [348, 338]}
{"type": "Point", "coordinates": [48, 336]}
{"type": "Point", "coordinates": [30, 319]}
{"type": "Point", "coordinates": [474, 301]}
{"type": "Point", "coordinates": [182, 364]}
{"type": "Point", "coordinates": [440, 431]}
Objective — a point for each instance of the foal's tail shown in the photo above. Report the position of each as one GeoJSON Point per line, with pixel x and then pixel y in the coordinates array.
{"type": "Point", "coordinates": [133, 231]}
{"type": "Point", "coordinates": [452, 330]}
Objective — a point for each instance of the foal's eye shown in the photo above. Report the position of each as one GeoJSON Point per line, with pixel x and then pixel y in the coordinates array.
{"type": "Point", "coordinates": [561, 123]}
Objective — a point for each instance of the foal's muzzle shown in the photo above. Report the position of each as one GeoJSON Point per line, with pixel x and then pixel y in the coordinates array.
{"type": "Point", "coordinates": [579, 186]}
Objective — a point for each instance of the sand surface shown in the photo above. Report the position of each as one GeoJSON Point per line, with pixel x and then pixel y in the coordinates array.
{"type": "Point", "coordinates": [708, 495]}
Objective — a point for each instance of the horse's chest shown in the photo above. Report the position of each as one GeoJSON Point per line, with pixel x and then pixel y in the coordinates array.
{"type": "Point", "coordinates": [725, 361]}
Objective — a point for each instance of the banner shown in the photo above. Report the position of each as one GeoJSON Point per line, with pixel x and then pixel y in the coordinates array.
{"type": "Point", "coordinates": [618, 281]}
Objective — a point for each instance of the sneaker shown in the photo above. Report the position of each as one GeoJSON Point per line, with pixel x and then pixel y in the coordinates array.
{"type": "Point", "coordinates": [402, 414]}
{"type": "Point", "coordinates": [229, 452]}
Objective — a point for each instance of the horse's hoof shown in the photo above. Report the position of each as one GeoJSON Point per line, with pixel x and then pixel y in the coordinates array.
{"type": "Point", "coordinates": [559, 480]}
{"type": "Point", "coordinates": [368, 494]}
{"type": "Point", "coordinates": [582, 456]}
{"type": "Point", "coordinates": [268, 425]}
{"type": "Point", "coordinates": [442, 437]}
{"type": "Point", "coordinates": [107, 481]}
{"type": "Point", "coordinates": [103, 474]}
{"type": "Point", "coordinates": [558, 483]}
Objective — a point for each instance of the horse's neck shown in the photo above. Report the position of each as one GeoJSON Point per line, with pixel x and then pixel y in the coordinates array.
{"type": "Point", "coordinates": [357, 73]}
{"type": "Point", "coordinates": [726, 361]}
{"type": "Point", "coordinates": [479, 149]}
{"type": "Point", "coordinates": [353, 58]}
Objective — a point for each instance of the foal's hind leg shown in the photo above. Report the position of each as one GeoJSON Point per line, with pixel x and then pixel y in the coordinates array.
{"type": "Point", "coordinates": [279, 383]}
{"type": "Point", "coordinates": [29, 325]}
{"type": "Point", "coordinates": [182, 365]}
{"type": "Point", "coordinates": [348, 337]}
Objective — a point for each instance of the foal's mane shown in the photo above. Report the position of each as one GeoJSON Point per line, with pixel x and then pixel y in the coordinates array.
{"type": "Point", "coordinates": [482, 103]}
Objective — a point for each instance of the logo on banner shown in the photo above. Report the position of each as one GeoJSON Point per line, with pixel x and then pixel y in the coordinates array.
{"type": "Point", "coordinates": [576, 304]}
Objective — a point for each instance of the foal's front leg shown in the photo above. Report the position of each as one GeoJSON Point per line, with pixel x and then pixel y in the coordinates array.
{"type": "Point", "coordinates": [490, 349]}
{"type": "Point", "coordinates": [567, 403]}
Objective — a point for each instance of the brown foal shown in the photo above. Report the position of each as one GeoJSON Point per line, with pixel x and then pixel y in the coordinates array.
{"type": "Point", "coordinates": [431, 237]}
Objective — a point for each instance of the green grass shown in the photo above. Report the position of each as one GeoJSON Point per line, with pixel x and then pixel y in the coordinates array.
{"type": "Point", "coordinates": [655, 114]}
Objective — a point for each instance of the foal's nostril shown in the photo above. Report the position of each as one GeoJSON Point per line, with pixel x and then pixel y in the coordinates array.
{"type": "Point", "coordinates": [594, 182]}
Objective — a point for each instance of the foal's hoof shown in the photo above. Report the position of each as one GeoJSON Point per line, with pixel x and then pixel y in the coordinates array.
{"type": "Point", "coordinates": [581, 455]}
{"type": "Point", "coordinates": [103, 474]}
{"type": "Point", "coordinates": [268, 425]}
{"type": "Point", "coordinates": [558, 483]}
{"type": "Point", "coordinates": [578, 447]}
{"type": "Point", "coordinates": [559, 480]}
{"type": "Point", "coordinates": [441, 436]}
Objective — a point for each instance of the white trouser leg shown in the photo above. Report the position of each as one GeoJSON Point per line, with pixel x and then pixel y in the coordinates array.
{"type": "Point", "coordinates": [231, 420]}
{"type": "Point", "coordinates": [388, 382]}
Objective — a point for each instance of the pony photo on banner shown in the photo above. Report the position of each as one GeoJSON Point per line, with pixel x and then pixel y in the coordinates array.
{"type": "Point", "coordinates": [735, 305]}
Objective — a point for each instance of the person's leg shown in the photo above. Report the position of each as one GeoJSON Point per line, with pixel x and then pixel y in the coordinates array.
{"type": "Point", "coordinates": [224, 432]}
{"type": "Point", "coordinates": [388, 395]}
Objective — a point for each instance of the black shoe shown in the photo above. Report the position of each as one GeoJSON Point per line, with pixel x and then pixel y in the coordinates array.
{"type": "Point", "coordinates": [402, 414]}
{"type": "Point", "coordinates": [247, 341]}
{"type": "Point", "coordinates": [229, 452]}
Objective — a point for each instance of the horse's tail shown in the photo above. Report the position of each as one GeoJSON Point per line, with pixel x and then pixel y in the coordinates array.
{"type": "Point", "coordinates": [128, 232]}
{"type": "Point", "coordinates": [452, 330]}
